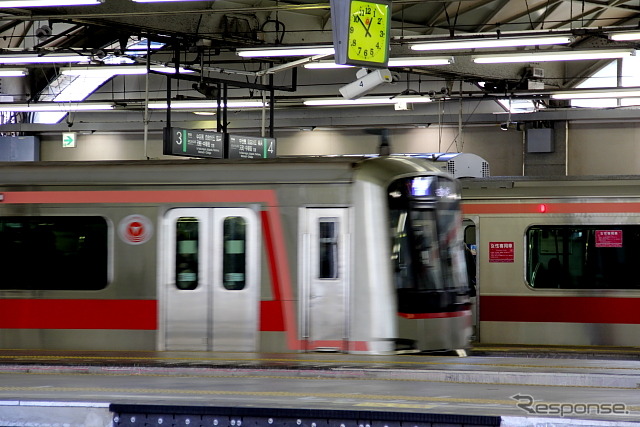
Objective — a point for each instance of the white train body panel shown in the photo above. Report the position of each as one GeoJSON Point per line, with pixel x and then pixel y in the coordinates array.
{"type": "Point", "coordinates": [555, 259]}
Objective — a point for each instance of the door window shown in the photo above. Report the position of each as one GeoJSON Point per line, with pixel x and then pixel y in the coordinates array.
{"type": "Point", "coordinates": [328, 253]}
{"type": "Point", "coordinates": [187, 237]}
{"type": "Point", "coordinates": [234, 263]}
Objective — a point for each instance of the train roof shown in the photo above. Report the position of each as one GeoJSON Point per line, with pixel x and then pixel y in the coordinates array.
{"type": "Point", "coordinates": [550, 186]}
{"type": "Point", "coordinates": [304, 169]}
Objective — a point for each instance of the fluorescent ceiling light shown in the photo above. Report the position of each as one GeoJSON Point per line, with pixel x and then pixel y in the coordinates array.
{"type": "Point", "coordinates": [491, 43]}
{"type": "Point", "coordinates": [45, 3]}
{"type": "Point", "coordinates": [118, 60]}
{"type": "Point", "coordinates": [620, 37]}
{"type": "Point", "coordinates": [56, 107]}
{"type": "Point", "coordinates": [419, 62]}
{"type": "Point", "coordinates": [13, 72]}
{"type": "Point", "coordinates": [111, 71]}
{"type": "Point", "coordinates": [536, 56]}
{"type": "Point", "coordinates": [141, 46]}
{"type": "Point", "coordinates": [157, 1]}
{"type": "Point", "coordinates": [286, 51]}
{"type": "Point", "coordinates": [367, 101]}
{"type": "Point", "coordinates": [104, 71]}
{"type": "Point", "coordinates": [170, 70]}
{"type": "Point", "coordinates": [48, 59]}
{"type": "Point", "coordinates": [598, 93]}
{"type": "Point", "coordinates": [203, 105]}
{"type": "Point", "coordinates": [107, 106]}
{"type": "Point", "coordinates": [325, 65]}
{"type": "Point", "coordinates": [393, 62]}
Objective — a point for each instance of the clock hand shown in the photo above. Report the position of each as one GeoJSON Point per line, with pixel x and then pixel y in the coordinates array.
{"type": "Point", "coordinates": [366, 29]}
{"type": "Point", "coordinates": [369, 26]}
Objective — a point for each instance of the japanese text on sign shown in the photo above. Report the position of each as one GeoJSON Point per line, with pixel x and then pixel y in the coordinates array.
{"type": "Point", "coordinates": [250, 147]}
{"type": "Point", "coordinates": [501, 252]}
{"type": "Point", "coordinates": [608, 238]}
{"type": "Point", "coordinates": [195, 143]}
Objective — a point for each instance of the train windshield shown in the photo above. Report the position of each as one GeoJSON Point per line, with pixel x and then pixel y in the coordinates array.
{"type": "Point", "coordinates": [427, 247]}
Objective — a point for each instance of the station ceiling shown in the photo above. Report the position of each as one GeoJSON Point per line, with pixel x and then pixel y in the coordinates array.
{"type": "Point", "coordinates": [206, 37]}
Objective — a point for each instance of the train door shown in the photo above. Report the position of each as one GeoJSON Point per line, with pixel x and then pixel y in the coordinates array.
{"type": "Point", "coordinates": [210, 286]}
{"type": "Point", "coordinates": [471, 258]}
{"type": "Point", "coordinates": [325, 272]}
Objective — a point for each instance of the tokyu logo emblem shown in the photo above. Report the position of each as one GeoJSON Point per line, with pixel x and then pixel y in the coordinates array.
{"type": "Point", "coordinates": [135, 229]}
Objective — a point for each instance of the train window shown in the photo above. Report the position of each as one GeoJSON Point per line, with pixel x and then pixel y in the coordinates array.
{"type": "Point", "coordinates": [54, 253]}
{"type": "Point", "coordinates": [328, 233]}
{"type": "Point", "coordinates": [582, 257]}
{"type": "Point", "coordinates": [415, 250]}
{"type": "Point", "coordinates": [427, 245]}
{"type": "Point", "coordinates": [187, 234]}
{"type": "Point", "coordinates": [234, 262]}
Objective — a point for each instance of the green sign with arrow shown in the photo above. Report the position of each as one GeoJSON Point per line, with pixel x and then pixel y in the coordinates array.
{"type": "Point", "coordinates": [68, 139]}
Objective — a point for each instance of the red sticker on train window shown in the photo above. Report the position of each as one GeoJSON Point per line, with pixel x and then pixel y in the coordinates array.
{"type": "Point", "coordinates": [608, 238]}
{"type": "Point", "coordinates": [501, 252]}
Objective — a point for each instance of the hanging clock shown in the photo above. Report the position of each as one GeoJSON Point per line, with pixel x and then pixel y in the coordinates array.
{"type": "Point", "coordinates": [363, 39]}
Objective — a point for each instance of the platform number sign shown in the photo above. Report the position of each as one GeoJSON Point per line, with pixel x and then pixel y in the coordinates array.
{"type": "Point", "coordinates": [195, 143]}
{"type": "Point", "coordinates": [251, 147]}
{"type": "Point", "coordinates": [216, 145]}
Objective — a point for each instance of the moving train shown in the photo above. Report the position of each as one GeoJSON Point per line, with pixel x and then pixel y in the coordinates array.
{"type": "Point", "coordinates": [555, 259]}
{"type": "Point", "coordinates": [311, 254]}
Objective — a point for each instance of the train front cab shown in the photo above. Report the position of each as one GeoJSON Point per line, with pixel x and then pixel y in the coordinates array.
{"type": "Point", "coordinates": [433, 294]}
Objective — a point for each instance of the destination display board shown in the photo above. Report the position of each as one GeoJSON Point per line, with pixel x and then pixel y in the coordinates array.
{"type": "Point", "coordinates": [194, 143]}
{"type": "Point", "coordinates": [251, 147]}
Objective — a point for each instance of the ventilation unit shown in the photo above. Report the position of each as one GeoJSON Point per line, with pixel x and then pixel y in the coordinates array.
{"type": "Point", "coordinates": [461, 165]}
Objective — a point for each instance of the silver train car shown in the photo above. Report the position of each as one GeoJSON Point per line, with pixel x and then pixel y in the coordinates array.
{"type": "Point", "coordinates": [555, 259]}
{"type": "Point", "coordinates": [314, 254]}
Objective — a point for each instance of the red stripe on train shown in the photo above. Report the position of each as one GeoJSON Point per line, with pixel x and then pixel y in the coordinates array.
{"type": "Point", "coordinates": [271, 312]}
{"type": "Point", "coordinates": [560, 309]}
{"type": "Point", "coordinates": [442, 315]}
{"type": "Point", "coordinates": [78, 314]}
{"type": "Point", "coordinates": [139, 196]}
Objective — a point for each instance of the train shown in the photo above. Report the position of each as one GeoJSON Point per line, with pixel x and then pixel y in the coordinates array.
{"type": "Point", "coordinates": [337, 254]}
{"type": "Point", "coordinates": [555, 259]}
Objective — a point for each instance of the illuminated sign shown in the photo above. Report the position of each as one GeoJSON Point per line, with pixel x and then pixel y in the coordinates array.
{"type": "Point", "coordinates": [420, 186]}
{"type": "Point", "coordinates": [194, 143]}
{"type": "Point", "coordinates": [251, 147]}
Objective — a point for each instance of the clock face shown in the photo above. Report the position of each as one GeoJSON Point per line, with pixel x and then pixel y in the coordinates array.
{"type": "Point", "coordinates": [368, 39]}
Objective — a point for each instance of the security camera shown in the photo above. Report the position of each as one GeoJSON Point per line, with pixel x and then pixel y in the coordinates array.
{"type": "Point", "coordinates": [44, 32]}
{"type": "Point", "coordinates": [366, 84]}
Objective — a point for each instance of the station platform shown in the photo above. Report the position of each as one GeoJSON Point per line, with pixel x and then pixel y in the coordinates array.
{"type": "Point", "coordinates": [494, 385]}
